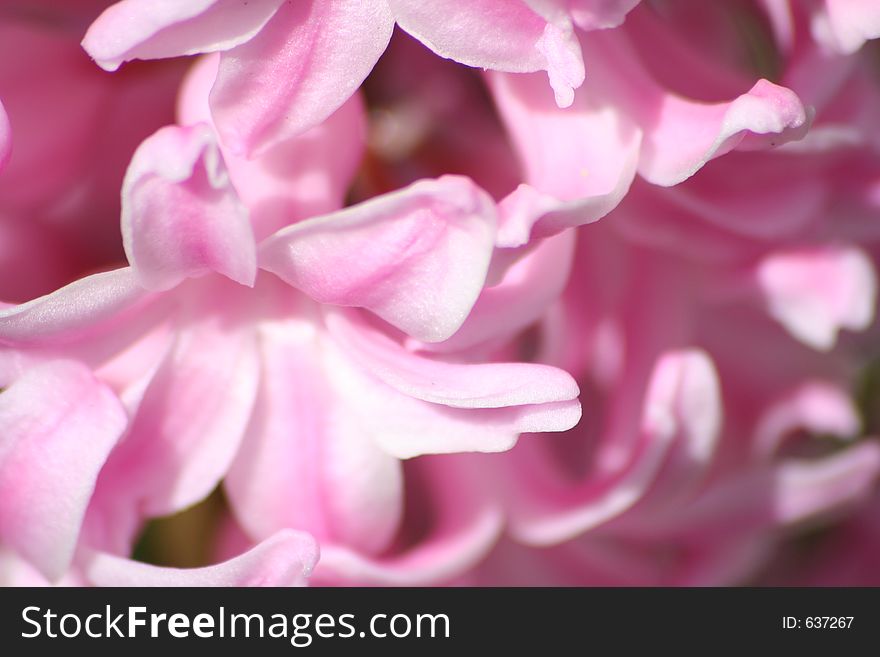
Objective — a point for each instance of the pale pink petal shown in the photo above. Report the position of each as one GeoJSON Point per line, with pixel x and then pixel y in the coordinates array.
{"type": "Point", "coordinates": [192, 416]}
{"type": "Point", "coordinates": [461, 524]}
{"type": "Point", "coordinates": [18, 572]}
{"type": "Point", "coordinates": [417, 258]}
{"type": "Point", "coordinates": [181, 217]}
{"type": "Point", "coordinates": [818, 407]}
{"type": "Point", "coordinates": [521, 298]}
{"type": "Point", "coordinates": [684, 135]}
{"type": "Point", "coordinates": [845, 25]}
{"type": "Point", "coordinates": [75, 310]}
{"type": "Point", "coordinates": [805, 489]}
{"type": "Point", "coordinates": [154, 29]}
{"type": "Point", "coordinates": [482, 407]}
{"type": "Point", "coordinates": [297, 71]}
{"type": "Point", "coordinates": [681, 409]}
{"type": "Point", "coordinates": [304, 176]}
{"type": "Point", "coordinates": [405, 426]}
{"type": "Point", "coordinates": [482, 385]}
{"type": "Point", "coordinates": [578, 163]}
{"type": "Point", "coordinates": [306, 462]}
{"type": "Point", "coordinates": [5, 137]}
{"type": "Point", "coordinates": [498, 35]}
{"type": "Point", "coordinates": [285, 559]}
{"type": "Point", "coordinates": [814, 293]}
{"type": "Point", "coordinates": [795, 491]}
{"type": "Point", "coordinates": [781, 22]}
{"type": "Point", "coordinates": [622, 103]}
{"type": "Point", "coordinates": [57, 426]}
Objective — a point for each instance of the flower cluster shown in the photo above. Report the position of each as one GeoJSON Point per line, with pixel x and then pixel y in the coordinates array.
{"type": "Point", "coordinates": [475, 292]}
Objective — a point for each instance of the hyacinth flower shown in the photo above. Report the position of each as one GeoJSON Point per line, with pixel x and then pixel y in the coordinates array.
{"type": "Point", "coordinates": [333, 370]}
{"type": "Point", "coordinates": [236, 360]}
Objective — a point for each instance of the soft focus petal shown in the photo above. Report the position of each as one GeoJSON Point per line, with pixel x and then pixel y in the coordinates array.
{"type": "Point", "coordinates": [57, 426]}
{"type": "Point", "coordinates": [306, 462]}
{"type": "Point", "coordinates": [5, 137]}
{"type": "Point", "coordinates": [418, 257]}
{"type": "Point", "coordinates": [154, 29]}
{"type": "Point", "coordinates": [297, 71]}
{"type": "Point", "coordinates": [449, 529]}
{"type": "Point", "coordinates": [578, 163]}
{"type": "Point", "coordinates": [301, 177]}
{"type": "Point", "coordinates": [526, 291]}
{"type": "Point", "coordinates": [845, 25]}
{"type": "Point", "coordinates": [681, 408]}
{"type": "Point", "coordinates": [191, 419]}
{"type": "Point", "coordinates": [285, 559]}
{"type": "Point", "coordinates": [497, 35]}
{"type": "Point", "coordinates": [181, 217]}
{"type": "Point", "coordinates": [684, 135]}
{"type": "Point", "coordinates": [815, 293]}
{"type": "Point", "coordinates": [794, 491]}
{"type": "Point", "coordinates": [599, 14]}
{"type": "Point", "coordinates": [817, 407]}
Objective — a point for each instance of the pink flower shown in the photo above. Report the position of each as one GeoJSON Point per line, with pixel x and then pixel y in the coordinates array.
{"type": "Point", "coordinates": [279, 55]}
{"type": "Point", "coordinates": [210, 371]}
{"type": "Point", "coordinates": [342, 308]}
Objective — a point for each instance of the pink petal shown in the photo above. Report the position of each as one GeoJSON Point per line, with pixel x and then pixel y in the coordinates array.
{"type": "Point", "coordinates": [681, 408]}
{"type": "Point", "coordinates": [685, 134]}
{"type": "Point", "coordinates": [418, 257]}
{"type": "Point", "coordinates": [814, 293]}
{"type": "Point", "coordinates": [306, 462]}
{"type": "Point", "coordinates": [415, 405]}
{"type": "Point", "coordinates": [578, 163]}
{"type": "Point", "coordinates": [57, 426]}
{"type": "Point", "coordinates": [621, 104]}
{"type": "Point", "coordinates": [285, 559]}
{"type": "Point", "coordinates": [5, 138]}
{"type": "Point", "coordinates": [305, 176]}
{"type": "Point", "coordinates": [484, 385]}
{"type": "Point", "coordinates": [462, 522]}
{"type": "Point", "coordinates": [83, 307]}
{"type": "Point", "coordinates": [181, 217]}
{"type": "Point", "coordinates": [795, 491]}
{"type": "Point", "coordinates": [817, 407]}
{"type": "Point", "coordinates": [845, 25]}
{"type": "Point", "coordinates": [192, 417]}
{"type": "Point", "coordinates": [297, 71]}
{"type": "Point", "coordinates": [155, 29]}
{"type": "Point", "coordinates": [528, 288]}
{"type": "Point", "coordinates": [497, 35]}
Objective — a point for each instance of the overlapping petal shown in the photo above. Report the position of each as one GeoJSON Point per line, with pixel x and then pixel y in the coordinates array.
{"type": "Point", "coordinates": [153, 29]}
{"type": "Point", "coordinates": [181, 217]}
{"type": "Point", "coordinates": [418, 258]}
{"type": "Point", "coordinates": [57, 426]}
